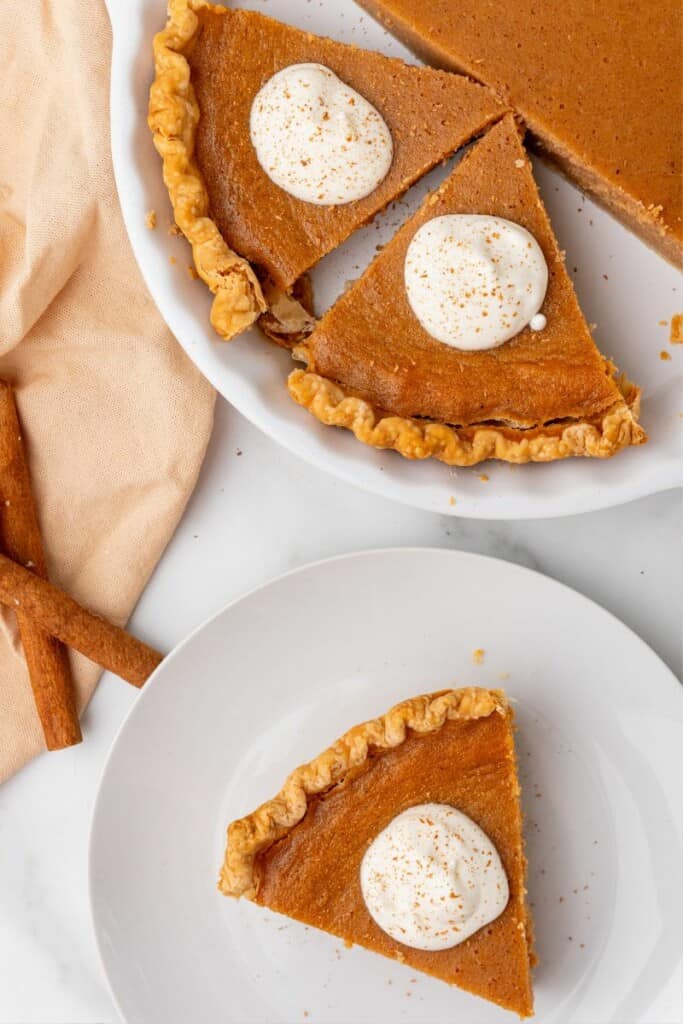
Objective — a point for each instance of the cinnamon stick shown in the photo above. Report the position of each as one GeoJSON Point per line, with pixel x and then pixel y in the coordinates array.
{"type": "Point", "coordinates": [58, 614]}
{"type": "Point", "coordinates": [46, 658]}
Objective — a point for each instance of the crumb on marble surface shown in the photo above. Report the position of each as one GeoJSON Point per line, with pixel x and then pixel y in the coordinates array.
{"type": "Point", "coordinates": [664, 356]}
{"type": "Point", "coordinates": [478, 656]}
{"type": "Point", "coordinates": [151, 219]}
{"type": "Point", "coordinates": [676, 330]}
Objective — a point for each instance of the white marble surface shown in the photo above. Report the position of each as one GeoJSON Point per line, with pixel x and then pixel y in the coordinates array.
{"type": "Point", "coordinates": [252, 517]}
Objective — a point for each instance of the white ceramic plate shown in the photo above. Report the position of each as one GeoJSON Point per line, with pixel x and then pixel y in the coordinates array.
{"type": "Point", "coordinates": [276, 676]}
{"type": "Point", "coordinates": [624, 288]}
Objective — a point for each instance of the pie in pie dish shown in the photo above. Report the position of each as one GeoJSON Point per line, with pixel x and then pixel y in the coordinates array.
{"type": "Point", "coordinates": [248, 235]}
{"type": "Point", "coordinates": [387, 811]}
{"type": "Point", "coordinates": [545, 394]}
{"type": "Point", "coordinates": [278, 144]}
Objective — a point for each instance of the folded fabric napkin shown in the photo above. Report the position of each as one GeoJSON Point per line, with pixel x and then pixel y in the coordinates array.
{"type": "Point", "coordinates": [115, 418]}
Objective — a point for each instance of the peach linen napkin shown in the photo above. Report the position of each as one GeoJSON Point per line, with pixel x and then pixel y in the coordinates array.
{"type": "Point", "coordinates": [115, 418]}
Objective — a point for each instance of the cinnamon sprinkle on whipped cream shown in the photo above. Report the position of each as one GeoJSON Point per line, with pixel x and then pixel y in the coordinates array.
{"type": "Point", "coordinates": [317, 138]}
{"type": "Point", "coordinates": [475, 281]}
{"type": "Point", "coordinates": [432, 878]}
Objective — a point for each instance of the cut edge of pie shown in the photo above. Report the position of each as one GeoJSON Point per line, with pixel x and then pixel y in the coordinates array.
{"type": "Point", "coordinates": [252, 835]}
{"type": "Point", "coordinates": [173, 117]}
{"type": "Point", "coordinates": [416, 438]}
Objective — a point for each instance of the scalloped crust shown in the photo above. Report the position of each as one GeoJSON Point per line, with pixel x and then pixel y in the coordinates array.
{"type": "Point", "coordinates": [616, 428]}
{"type": "Point", "coordinates": [172, 118]}
{"type": "Point", "coordinates": [250, 836]}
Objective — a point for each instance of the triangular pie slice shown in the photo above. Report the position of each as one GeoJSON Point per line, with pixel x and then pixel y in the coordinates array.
{"type": "Point", "coordinates": [542, 395]}
{"type": "Point", "coordinates": [300, 854]}
{"type": "Point", "coordinates": [210, 64]}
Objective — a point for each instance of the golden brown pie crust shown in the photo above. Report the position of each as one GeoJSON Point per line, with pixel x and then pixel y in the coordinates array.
{"type": "Point", "coordinates": [173, 116]}
{"type": "Point", "coordinates": [466, 446]}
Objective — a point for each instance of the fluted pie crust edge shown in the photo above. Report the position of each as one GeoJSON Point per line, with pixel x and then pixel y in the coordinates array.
{"type": "Point", "coordinates": [255, 833]}
{"type": "Point", "coordinates": [616, 428]}
{"type": "Point", "coordinates": [172, 117]}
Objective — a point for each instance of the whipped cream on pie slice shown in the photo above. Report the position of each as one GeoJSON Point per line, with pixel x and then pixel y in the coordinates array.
{"type": "Point", "coordinates": [317, 138]}
{"type": "Point", "coordinates": [475, 281]}
{"type": "Point", "coordinates": [432, 878]}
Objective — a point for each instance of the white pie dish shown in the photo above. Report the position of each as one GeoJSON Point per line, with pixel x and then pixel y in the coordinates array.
{"type": "Point", "coordinates": [623, 286]}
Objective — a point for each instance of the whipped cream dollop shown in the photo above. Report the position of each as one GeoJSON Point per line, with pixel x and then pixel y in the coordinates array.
{"type": "Point", "coordinates": [432, 878]}
{"type": "Point", "coordinates": [317, 138]}
{"type": "Point", "coordinates": [474, 281]}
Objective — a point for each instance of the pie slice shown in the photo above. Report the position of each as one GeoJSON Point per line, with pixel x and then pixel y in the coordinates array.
{"type": "Point", "coordinates": [599, 86]}
{"type": "Point", "coordinates": [542, 395]}
{"type": "Point", "coordinates": [210, 64]}
{"type": "Point", "coordinates": [300, 854]}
